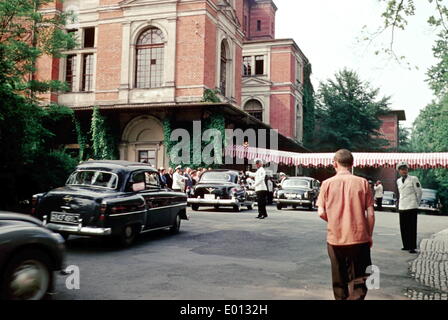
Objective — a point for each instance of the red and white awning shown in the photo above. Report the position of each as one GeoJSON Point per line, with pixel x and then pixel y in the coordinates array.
{"type": "Point", "coordinates": [384, 160]}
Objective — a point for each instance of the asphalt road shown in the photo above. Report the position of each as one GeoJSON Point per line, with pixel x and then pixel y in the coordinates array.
{"type": "Point", "coordinates": [226, 255]}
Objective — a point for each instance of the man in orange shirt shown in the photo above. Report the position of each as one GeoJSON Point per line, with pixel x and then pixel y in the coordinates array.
{"type": "Point", "coordinates": [346, 203]}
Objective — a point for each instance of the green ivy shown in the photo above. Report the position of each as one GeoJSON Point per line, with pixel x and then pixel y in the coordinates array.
{"type": "Point", "coordinates": [215, 121]}
{"type": "Point", "coordinates": [211, 96]}
{"type": "Point", "coordinates": [103, 144]}
{"type": "Point", "coordinates": [308, 107]}
{"type": "Point", "coordinates": [81, 137]}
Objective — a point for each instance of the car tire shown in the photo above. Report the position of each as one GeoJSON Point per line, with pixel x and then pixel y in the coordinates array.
{"type": "Point", "coordinates": [250, 207]}
{"type": "Point", "coordinates": [279, 206]}
{"type": "Point", "coordinates": [236, 208]}
{"type": "Point", "coordinates": [128, 235]}
{"type": "Point", "coordinates": [294, 207]}
{"type": "Point", "coordinates": [195, 207]}
{"type": "Point", "coordinates": [176, 225]}
{"type": "Point", "coordinates": [33, 264]}
{"type": "Point", "coordinates": [216, 207]}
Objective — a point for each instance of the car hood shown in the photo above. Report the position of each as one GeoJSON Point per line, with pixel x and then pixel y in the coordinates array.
{"type": "Point", "coordinates": [11, 217]}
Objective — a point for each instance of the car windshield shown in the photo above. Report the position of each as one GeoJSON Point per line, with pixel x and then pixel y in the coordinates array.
{"type": "Point", "coordinates": [292, 183]}
{"type": "Point", "coordinates": [93, 178]}
{"type": "Point", "coordinates": [216, 177]}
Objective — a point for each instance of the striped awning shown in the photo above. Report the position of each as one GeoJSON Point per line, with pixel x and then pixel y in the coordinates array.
{"type": "Point", "coordinates": [383, 160]}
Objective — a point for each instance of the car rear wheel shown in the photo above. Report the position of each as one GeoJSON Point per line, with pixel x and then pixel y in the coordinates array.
{"type": "Point", "coordinates": [176, 225]}
{"type": "Point", "coordinates": [195, 207]}
{"type": "Point", "coordinates": [128, 235]}
{"type": "Point", "coordinates": [28, 276]}
{"type": "Point", "coordinates": [279, 206]}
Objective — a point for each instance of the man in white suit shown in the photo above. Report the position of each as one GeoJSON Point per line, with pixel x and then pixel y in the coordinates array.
{"type": "Point", "coordinates": [261, 188]}
{"type": "Point", "coordinates": [410, 191]}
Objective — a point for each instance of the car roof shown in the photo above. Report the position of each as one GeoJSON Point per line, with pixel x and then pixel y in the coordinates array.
{"type": "Point", "coordinates": [115, 165]}
{"type": "Point", "coordinates": [430, 190]}
{"type": "Point", "coordinates": [302, 178]}
{"type": "Point", "coordinates": [223, 170]}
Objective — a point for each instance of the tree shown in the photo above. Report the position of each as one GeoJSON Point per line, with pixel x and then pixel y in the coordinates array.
{"type": "Point", "coordinates": [396, 15]}
{"type": "Point", "coordinates": [26, 128]}
{"type": "Point", "coordinates": [347, 114]}
{"type": "Point", "coordinates": [404, 139]}
{"type": "Point", "coordinates": [430, 132]}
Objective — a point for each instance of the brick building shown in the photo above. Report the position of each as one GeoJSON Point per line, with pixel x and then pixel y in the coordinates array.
{"type": "Point", "coordinates": [143, 61]}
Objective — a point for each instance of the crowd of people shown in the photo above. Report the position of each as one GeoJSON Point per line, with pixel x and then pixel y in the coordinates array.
{"type": "Point", "coordinates": [180, 179]}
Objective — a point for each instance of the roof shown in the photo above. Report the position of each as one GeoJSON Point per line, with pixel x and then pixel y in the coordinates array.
{"type": "Point", "coordinates": [401, 114]}
{"type": "Point", "coordinates": [115, 164]}
{"type": "Point", "coordinates": [376, 160]}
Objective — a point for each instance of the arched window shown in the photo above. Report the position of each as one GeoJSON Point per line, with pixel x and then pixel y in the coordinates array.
{"type": "Point", "coordinates": [254, 108]}
{"type": "Point", "coordinates": [149, 59]}
{"type": "Point", "coordinates": [223, 75]}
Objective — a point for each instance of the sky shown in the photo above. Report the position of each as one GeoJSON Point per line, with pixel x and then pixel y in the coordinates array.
{"type": "Point", "coordinates": [330, 34]}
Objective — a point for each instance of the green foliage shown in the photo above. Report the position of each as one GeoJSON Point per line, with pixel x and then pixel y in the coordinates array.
{"type": "Point", "coordinates": [347, 114]}
{"type": "Point", "coordinates": [430, 134]}
{"type": "Point", "coordinates": [396, 16]}
{"type": "Point", "coordinates": [211, 96]}
{"type": "Point", "coordinates": [404, 139]}
{"type": "Point", "coordinates": [308, 107]}
{"type": "Point", "coordinates": [103, 143]}
{"type": "Point", "coordinates": [29, 161]}
{"type": "Point", "coordinates": [215, 121]}
{"type": "Point", "coordinates": [82, 139]}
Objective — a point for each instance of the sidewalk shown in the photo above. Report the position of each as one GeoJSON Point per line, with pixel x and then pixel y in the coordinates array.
{"type": "Point", "coordinates": [431, 268]}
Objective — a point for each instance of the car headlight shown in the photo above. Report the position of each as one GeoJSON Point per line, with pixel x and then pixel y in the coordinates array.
{"type": "Point", "coordinates": [306, 195]}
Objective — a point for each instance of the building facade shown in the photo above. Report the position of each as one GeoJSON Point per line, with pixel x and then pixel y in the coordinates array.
{"type": "Point", "coordinates": [144, 61]}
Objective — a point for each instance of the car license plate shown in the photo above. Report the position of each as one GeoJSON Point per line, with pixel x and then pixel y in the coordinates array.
{"type": "Point", "coordinates": [209, 197]}
{"type": "Point", "coordinates": [65, 217]}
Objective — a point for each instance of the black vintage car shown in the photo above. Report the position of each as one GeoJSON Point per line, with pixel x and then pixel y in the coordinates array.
{"type": "Point", "coordinates": [389, 201]}
{"type": "Point", "coordinates": [111, 198]}
{"type": "Point", "coordinates": [29, 256]}
{"type": "Point", "coordinates": [297, 191]}
{"type": "Point", "coordinates": [430, 201]}
{"type": "Point", "coordinates": [220, 188]}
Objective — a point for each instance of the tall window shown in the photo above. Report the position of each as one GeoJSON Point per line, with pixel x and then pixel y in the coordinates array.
{"type": "Point", "coordinates": [254, 108]}
{"type": "Point", "coordinates": [149, 64]}
{"type": "Point", "coordinates": [259, 65]}
{"type": "Point", "coordinates": [258, 25]}
{"type": "Point", "coordinates": [299, 72]}
{"type": "Point", "coordinates": [299, 123]}
{"type": "Point", "coordinates": [70, 72]}
{"type": "Point", "coordinates": [247, 66]}
{"type": "Point", "coordinates": [223, 76]}
{"type": "Point", "coordinates": [87, 72]}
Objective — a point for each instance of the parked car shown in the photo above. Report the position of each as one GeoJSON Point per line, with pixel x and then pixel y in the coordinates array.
{"type": "Point", "coordinates": [29, 256]}
{"type": "Point", "coordinates": [111, 198]}
{"type": "Point", "coordinates": [220, 188]}
{"type": "Point", "coordinates": [389, 201]}
{"type": "Point", "coordinates": [297, 191]}
{"type": "Point", "coordinates": [430, 201]}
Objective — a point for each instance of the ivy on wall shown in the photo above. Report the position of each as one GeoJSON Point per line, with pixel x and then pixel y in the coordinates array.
{"type": "Point", "coordinates": [308, 107]}
{"type": "Point", "coordinates": [82, 139]}
{"type": "Point", "coordinates": [215, 121]}
{"type": "Point", "coordinates": [104, 144]}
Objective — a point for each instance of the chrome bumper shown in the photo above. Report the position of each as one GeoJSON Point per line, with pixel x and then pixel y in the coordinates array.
{"type": "Point", "coordinates": [428, 209]}
{"type": "Point", "coordinates": [293, 201]}
{"type": "Point", "coordinates": [78, 230]}
{"type": "Point", "coordinates": [390, 206]}
{"type": "Point", "coordinates": [221, 202]}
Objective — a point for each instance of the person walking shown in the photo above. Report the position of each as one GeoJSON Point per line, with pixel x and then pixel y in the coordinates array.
{"type": "Point", "coordinates": [410, 192]}
{"type": "Point", "coordinates": [261, 188]}
{"type": "Point", "coordinates": [346, 203]}
{"type": "Point", "coordinates": [270, 185]}
{"type": "Point", "coordinates": [379, 193]}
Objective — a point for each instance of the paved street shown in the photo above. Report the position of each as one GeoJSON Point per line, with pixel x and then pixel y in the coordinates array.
{"type": "Point", "coordinates": [227, 255]}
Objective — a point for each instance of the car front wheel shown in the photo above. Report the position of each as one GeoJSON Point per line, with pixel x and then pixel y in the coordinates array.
{"type": "Point", "coordinates": [128, 235]}
{"type": "Point", "coordinates": [279, 206]}
{"type": "Point", "coordinates": [194, 207]}
{"type": "Point", "coordinates": [28, 276]}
